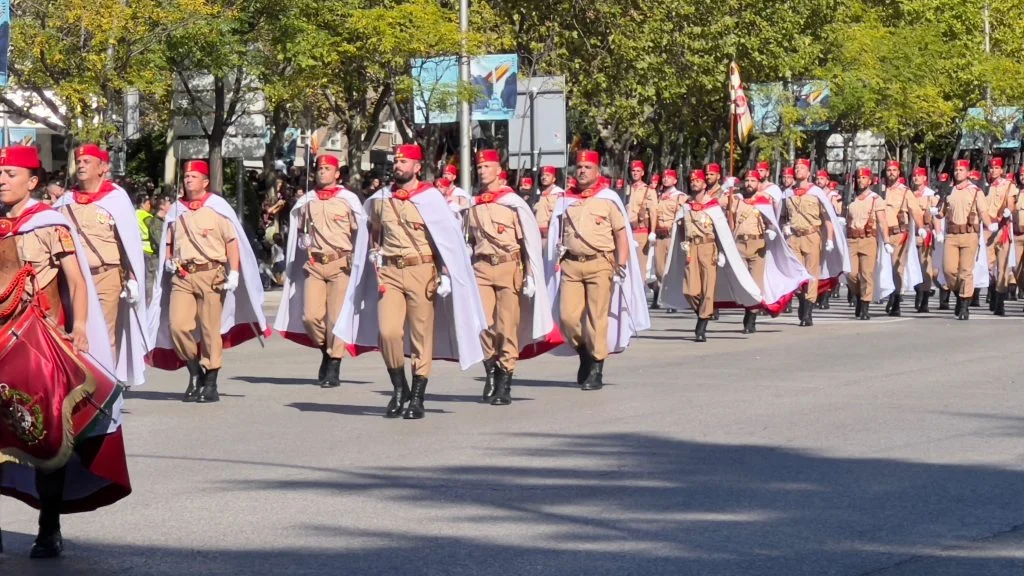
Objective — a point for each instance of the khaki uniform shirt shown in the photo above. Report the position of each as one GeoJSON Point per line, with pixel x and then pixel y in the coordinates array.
{"type": "Point", "coordinates": [962, 201]}
{"type": "Point", "coordinates": [805, 212]}
{"type": "Point", "coordinates": [43, 248]}
{"type": "Point", "coordinates": [545, 208]}
{"type": "Point", "coordinates": [207, 239]}
{"type": "Point", "coordinates": [900, 207]}
{"type": "Point", "coordinates": [997, 197]}
{"type": "Point", "coordinates": [395, 213]}
{"type": "Point", "coordinates": [926, 203]}
{"type": "Point", "coordinates": [668, 206]}
{"type": "Point", "coordinates": [495, 229]}
{"type": "Point", "coordinates": [749, 221]}
{"type": "Point", "coordinates": [863, 208]}
{"type": "Point", "coordinates": [642, 206]}
{"type": "Point", "coordinates": [97, 225]}
{"type": "Point", "coordinates": [590, 225]}
{"type": "Point", "coordinates": [331, 225]}
{"type": "Point", "coordinates": [697, 223]}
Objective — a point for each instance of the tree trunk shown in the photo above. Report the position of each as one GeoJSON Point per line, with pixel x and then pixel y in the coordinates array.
{"type": "Point", "coordinates": [216, 137]}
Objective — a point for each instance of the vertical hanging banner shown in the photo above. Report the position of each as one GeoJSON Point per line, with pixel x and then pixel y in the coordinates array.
{"type": "Point", "coordinates": [5, 39]}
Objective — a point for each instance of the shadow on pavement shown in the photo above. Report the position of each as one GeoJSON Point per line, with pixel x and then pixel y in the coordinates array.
{"type": "Point", "coordinates": [289, 381]}
{"type": "Point", "coordinates": [611, 504]}
{"type": "Point", "coordinates": [350, 410]}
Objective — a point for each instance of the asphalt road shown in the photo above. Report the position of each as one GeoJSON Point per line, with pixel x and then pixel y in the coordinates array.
{"type": "Point", "coordinates": [893, 447]}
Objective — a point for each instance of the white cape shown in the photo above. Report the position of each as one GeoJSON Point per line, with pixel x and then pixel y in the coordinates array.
{"type": "Point", "coordinates": [628, 313]}
{"type": "Point", "coordinates": [288, 321]}
{"type": "Point", "coordinates": [458, 318]}
{"type": "Point", "coordinates": [783, 271]}
{"type": "Point", "coordinates": [837, 262]}
{"type": "Point", "coordinates": [733, 286]}
{"type": "Point", "coordinates": [131, 361]}
{"type": "Point", "coordinates": [242, 318]}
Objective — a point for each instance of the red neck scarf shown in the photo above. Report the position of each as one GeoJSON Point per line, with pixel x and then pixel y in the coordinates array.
{"type": "Point", "coordinates": [489, 196]}
{"type": "Point", "coordinates": [328, 193]}
{"type": "Point", "coordinates": [10, 226]}
{"type": "Point", "coordinates": [194, 205]}
{"type": "Point", "coordinates": [106, 187]}
{"type": "Point", "coordinates": [698, 206]}
{"type": "Point", "coordinates": [757, 199]}
{"type": "Point", "coordinates": [403, 194]}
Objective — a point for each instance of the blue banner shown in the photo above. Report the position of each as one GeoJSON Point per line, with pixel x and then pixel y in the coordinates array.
{"type": "Point", "coordinates": [5, 39]}
{"type": "Point", "coordinates": [436, 81]}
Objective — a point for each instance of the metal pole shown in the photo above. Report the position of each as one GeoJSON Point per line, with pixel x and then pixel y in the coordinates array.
{"type": "Point", "coordinates": [465, 132]}
{"type": "Point", "coordinates": [534, 149]}
{"type": "Point", "coordinates": [240, 187]}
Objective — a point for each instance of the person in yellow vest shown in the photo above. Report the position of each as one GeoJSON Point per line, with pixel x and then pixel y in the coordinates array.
{"type": "Point", "coordinates": [144, 213]}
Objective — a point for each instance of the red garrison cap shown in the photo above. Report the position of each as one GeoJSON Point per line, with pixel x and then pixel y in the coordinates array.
{"type": "Point", "coordinates": [789, 171]}
{"type": "Point", "coordinates": [697, 175]}
{"type": "Point", "coordinates": [590, 156]}
{"type": "Point", "coordinates": [503, 175]}
{"type": "Point", "coordinates": [822, 174]}
{"type": "Point", "coordinates": [832, 184]}
{"type": "Point", "coordinates": [943, 177]}
{"type": "Point", "coordinates": [656, 178]}
{"type": "Point", "coordinates": [527, 182]}
{"type": "Point", "coordinates": [442, 183]}
{"type": "Point", "coordinates": [451, 169]}
{"type": "Point", "coordinates": [901, 180]}
{"type": "Point", "coordinates": [921, 171]}
{"type": "Point", "coordinates": [637, 164]}
{"type": "Point", "coordinates": [764, 166]}
{"type": "Point", "coordinates": [20, 157]}
{"type": "Point", "coordinates": [975, 175]}
{"type": "Point", "coordinates": [603, 182]}
{"type": "Point", "coordinates": [327, 160]}
{"type": "Point", "coordinates": [996, 161]}
{"type": "Point", "coordinates": [753, 174]}
{"type": "Point", "coordinates": [864, 171]}
{"type": "Point", "coordinates": [964, 163]}
{"type": "Point", "coordinates": [805, 162]}
{"type": "Point", "coordinates": [549, 170]}
{"type": "Point", "coordinates": [892, 164]}
{"type": "Point", "coordinates": [409, 152]}
{"type": "Point", "coordinates": [488, 156]}
{"type": "Point", "coordinates": [620, 183]}
{"type": "Point", "coordinates": [713, 168]}
{"type": "Point", "coordinates": [671, 174]}
{"type": "Point", "coordinates": [198, 166]}
{"type": "Point", "coordinates": [94, 151]}
{"type": "Point", "coordinates": [571, 182]}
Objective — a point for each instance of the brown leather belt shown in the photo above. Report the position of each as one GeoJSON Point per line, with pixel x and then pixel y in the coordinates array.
{"type": "Point", "coordinates": [960, 229]}
{"type": "Point", "coordinates": [324, 258]}
{"type": "Point", "coordinates": [586, 257]}
{"type": "Point", "coordinates": [192, 267]}
{"type": "Point", "coordinates": [857, 233]}
{"type": "Point", "coordinates": [103, 268]}
{"type": "Point", "coordinates": [662, 233]}
{"type": "Point", "coordinates": [403, 261]}
{"type": "Point", "coordinates": [701, 239]}
{"type": "Point", "coordinates": [802, 233]}
{"type": "Point", "coordinates": [893, 230]}
{"type": "Point", "coordinates": [745, 237]}
{"type": "Point", "coordinates": [495, 259]}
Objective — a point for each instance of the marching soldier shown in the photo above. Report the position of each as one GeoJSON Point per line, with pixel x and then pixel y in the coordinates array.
{"type": "Point", "coordinates": [702, 254]}
{"type": "Point", "coordinates": [643, 207]}
{"type": "Point", "coordinates": [526, 190]}
{"type": "Point", "coordinates": [669, 203]}
{"type": "Point", "coordinates": [599, 289]}
{"type": "Point", "coordinates": [326, 225]}
{"type": "Point", "coordinates": [656, 183]}
{"type": "Point", "coordinates": [549, 194]}
{"type": "Point", "coordinates": [750, 229]}
{"type": "Point", "coordinates": [458, 200]}
{"type": "Point", "coordinates": [788, 180]}
{"type": "Point", "coordinates": [211, 273]}
{"type": "Point", "coordinates": [713, 173]}
{"type": "Point", "coordinates": [835, 196]}
{"type": "Point", "coordinates": [866, 222]}
{"type": "Point", "coordinates": [417, 260]}
{"type": "Point", "coordinates": [804, 215]}
{"type": "Point", "coordinates": [507, 262]}
{"type": "Point", "coordinates": [964, 210]}
{"type": "Point", "coordinates": [104, 218]}
{"type": "Point", "coordinates": [928, 202]}
{"type": "Point", "coordinates": [1002, 203]}
{"type": "Point", "coordinates": [1018, 235]}
{"type": "Point", "coordinates": [901, 207]}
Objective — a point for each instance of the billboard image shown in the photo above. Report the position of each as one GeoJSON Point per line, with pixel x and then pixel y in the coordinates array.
{"type": "Point", "coordinates": [436, 80]}
{"type": "Point", "coordinates": [1006, 118]}
{"type": "Point", "coordinates": [768, 99]}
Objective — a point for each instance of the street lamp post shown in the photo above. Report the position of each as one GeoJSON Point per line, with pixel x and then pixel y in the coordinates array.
{"type": "Point", "coordinates": [465, 151]}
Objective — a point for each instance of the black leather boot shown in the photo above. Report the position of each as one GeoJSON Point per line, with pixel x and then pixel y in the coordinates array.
{"type": "Point", "coordinates": [700, 331]}
{"type": "Point", "coordinates": [195, 381]}
{"type": "Point", "coordinates": [1000, 304]}
{"type": "Point", "coordinates": [922, 308]}
{"type": "Point", "coordinates": [49, 543]}
{"type": "Point", "coordinates": [753, 322]}
{"type": "Point", "coordinates": [401, 392]}
{"type": "Point", "coordinates": [865, 310]}
{"type": "Point", "coordinates": [414, 411]}
{"type": "Point", "coordinates": [857, 310]}
{"type": "Point", "coordinates": [976, 298]}
{"type": "Point", "coordinates": [960, 304]}
{"type": "Point", "coordinates": [943, 299]}
{"type": "Point", "coordinates": [586, 361]}
{"type": "Point", "coordinates": [502, 387]}
{"type": "Point", "coordinates": [808, 315]}
{"type": "Point", "coordinates": [321, 374]}
{"type": "Point", "coordinates": [826, 304]}
{"type": "Point", "coordinates": [965, 314]}
{"type": "Point", "coordinates": [595, 380]}
{"type": "Point", "coordinates": [918, 296]}
{"type": "Point", "coordinates": [990, 297]}
{"type": "Point", "coordinates": [209, 393]}
{"type": "Point", "coordinates": [835, 291]}
{"type": "Point", "coordinates": [332, 377]}
{"type": "Point", "coordinates": [851, 298]}
{"type": "Point", "coordinates": [747, 315]}
{"type": "Point", "coordinates": [801, 308]}
{"type": "Point", "coordinates": [489, 367]}
{"type": "Point", "coordinates": [715, 315]}
{"type": "Point", "coordinates": [654, 302]}
{"type": "Point", "coordinates": [894, 310]}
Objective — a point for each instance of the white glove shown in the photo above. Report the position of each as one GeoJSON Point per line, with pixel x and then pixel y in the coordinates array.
{"type": "Point", "coordinates": [829, 246]}
{"type": "Point", "coordinates": [841, 220]}
{"type": "Point", "coordinates": [1006, 213]}
{"type": "Point", "coordinates": [304, 241]}
{"type": "Point", "coordinates": [131, 291]}
{"type": "Point", "coordinates": [170, 266]}
{"type": "Point", "coordinates": [232, 282]}
{"type": "Point", "coordinates": [934, 210]}
{"type": "Point", "coordinates": [787, 230]}
{"type": "Point", "coordinates": [888, 248]}
{"type": "Point", "coordinates": [445, 287]}
{"type": "Point", "coordinates": [771, 234]}
{"type": "Point", "coordinates": [652, 237]}
{"type": "Point", "coordinates": [993, 227]}
{"type": "Point", "coordinates": [685, 247]}
{"type": "Point", "coordinates": [922, 232]}
{"type": "Point", "coordinates": [529, 288]}
{"type": "Point", "coordinates": [376, 258]}
{"type": "Point", "coordinates": [939, 236]}
{"type": "Point", "coordinates": [721, 260]}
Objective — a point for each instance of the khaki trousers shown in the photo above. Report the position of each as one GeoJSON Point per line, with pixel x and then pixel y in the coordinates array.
{"type": "Point", "coordinates": [959, 254]}
{"type": "Point", "coordinates": [701, 275]}
{"type": "Point", "coordinates": [661, 248]}
{"type": "Point", "coordinates": [500, 286]}
{"type": "Point", "coordinates": [999, 263]}
{"type": "Point", "coordinates": [198, 298]}
{"type": "Point", "coordinates": [863, 259]}
{"type": "Point", "coordinates": [1018, 243]}
{"type": "Point", "coordinates": [900, 251]}
{"type": "Point", "coordinates": [324, 294]}
{"type": "Point", "coordinates": [408, 299]}
{"type": "Point", "coordinates": [643, 246]}
{"type": "Point", "coordinates": [108, 290]}
{"type": "Point", "coordinates": [926, 257]}
{"type": "Point", "coordinates": [584, 301]}
{"type": "Point", "coordinates": [808, 251]}
{"type": "Point", "coordinates": [752, 252]}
